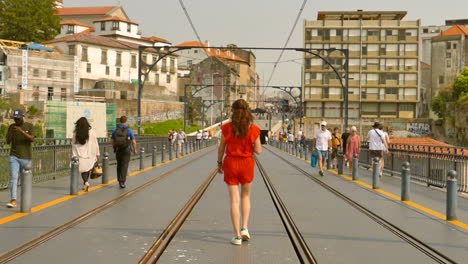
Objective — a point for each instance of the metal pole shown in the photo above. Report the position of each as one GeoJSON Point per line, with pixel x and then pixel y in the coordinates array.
{"type": "Point", "coordinates": [140, 90]}
{"type": "Point", "coordinates": [405, 181]}
{"type": "Point", "coordinates": [375, 173]}
{"type": "Point", "coordinates": [154, 156]}
{"type": "Point", "coordinates": [162, 153]}
{"type": "Point", "coordinates": [26, 189]}
{"type": "Point", "coordinates": [170, 151]}
{"type": "Point", "coordinates": [340, 161]}
{"type": "Point", "coordinates": [177, 150]}
{"type": "Point", "coordinates": [105, 168]}
{"type": "Point", "coordinates": [452, 195]}
{"type": "Point", "coordinates": [142, 152]}
{"type": "Point", "coordinates": [355, 166]}
{"type": "Point", "coordinates": [75, 172]}
{"type": "Point", "coordinates": [185, 106]}
{"type": "Point", "coordinates": [346, 95]}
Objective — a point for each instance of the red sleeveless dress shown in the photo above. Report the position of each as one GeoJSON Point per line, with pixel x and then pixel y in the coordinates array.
{"type": "Point", "coordinates": [239, 164]}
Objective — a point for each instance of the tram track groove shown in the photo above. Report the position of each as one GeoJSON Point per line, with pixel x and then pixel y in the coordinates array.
{"type": "Point", "coordinates": [298, 242]}
{"type": "Point", "coordinates": [159, 246]}
{"type": "Point", "coordinates": [431, 252]}
{"type": "Point", "coordinates": [28, 246]}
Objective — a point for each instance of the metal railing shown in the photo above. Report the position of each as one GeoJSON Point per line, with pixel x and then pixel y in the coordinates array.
{"type": "Point", "coordinates": [53, 160]}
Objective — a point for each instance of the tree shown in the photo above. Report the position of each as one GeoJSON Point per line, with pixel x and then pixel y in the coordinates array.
{"type": "Point", "coordinates": [439, 103]}
{"type": "Point", "coordinates": [460, 87]}
{"type": "Point", "coordinates": [28, 20]}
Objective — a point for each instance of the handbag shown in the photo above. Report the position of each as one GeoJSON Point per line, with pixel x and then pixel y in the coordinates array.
{"type": "Point", "coordinates": [96, 171]}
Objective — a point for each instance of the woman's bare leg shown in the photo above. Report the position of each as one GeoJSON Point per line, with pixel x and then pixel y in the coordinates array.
{"type": "Point", "coordinates": [235, 214]}
{"type": "Point", "coordinates": [245, 204]}
{"type": "Point", "coordinates": [350, 164]}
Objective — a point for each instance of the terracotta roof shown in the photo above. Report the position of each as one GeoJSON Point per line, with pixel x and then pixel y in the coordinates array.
{"type": "Point", "coordinates": [73, 22]}
{"type": "Point", "coordinates": [156, 39]}
{"type": "Point", "coordinates": [426, 144]}
{"type": "Point", "coordinates": [115, 18]}
{"type": "Point", "coordinates": [96, 40]}
{"type": "Point", "coordinates": [426, 141]}
{"type": "Point", "coordinates": [222, 52]}
{"type": "Point", "coordinates": [455, 30]}
{"type": "Point", "coordinates": [92, 10]}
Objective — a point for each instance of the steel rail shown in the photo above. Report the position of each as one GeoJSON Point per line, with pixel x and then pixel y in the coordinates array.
{"type": "Point", "coordinates": [301, 248]}
{"type": "Point", "coordinates": [431, 252]}
{"type": "Point", "coordinates": [11, 255]}
{"type": "Point", "coordinates": [157, 249]}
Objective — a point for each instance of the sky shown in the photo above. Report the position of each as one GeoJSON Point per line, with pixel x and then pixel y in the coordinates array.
{"type": "Point", "coordinates": [262, 23]}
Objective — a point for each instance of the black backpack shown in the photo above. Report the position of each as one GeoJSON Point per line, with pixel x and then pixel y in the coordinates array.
{"type": "Point", "coordinates": [122, 140]}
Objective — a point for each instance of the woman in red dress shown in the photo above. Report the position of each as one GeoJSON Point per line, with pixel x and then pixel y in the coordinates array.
{"type": "Point", "coordinates": [239, 140]}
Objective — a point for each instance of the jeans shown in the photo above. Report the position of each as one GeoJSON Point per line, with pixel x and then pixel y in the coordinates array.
{"type": "Point", "coordinates": [16, 166]}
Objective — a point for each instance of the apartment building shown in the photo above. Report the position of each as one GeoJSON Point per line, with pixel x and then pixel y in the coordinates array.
{"type": "Point", "coordinates": [383, 67]}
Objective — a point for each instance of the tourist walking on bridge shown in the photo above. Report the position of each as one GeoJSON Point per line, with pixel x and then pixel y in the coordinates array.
{"type": "Point", "coordinates": [322, 145]}
{"type": "Point", "coordinates": [353, 146]}
{"type": "Point", "coordinates": [123, 140]}
{"type": "Point", "coordinates": [239, 140]}
{"type": "Point", "coordinates": [20, 135]}
{"type": "Point", "coordinates": [377, 144]}
{"type": "Point", "coordinates": [86, 148]}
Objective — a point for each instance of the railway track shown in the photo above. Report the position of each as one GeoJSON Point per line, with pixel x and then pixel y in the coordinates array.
{"type": "Point", "coordinates": [11, 255]}
{"type": "Point", "coordinates": [431, 252]}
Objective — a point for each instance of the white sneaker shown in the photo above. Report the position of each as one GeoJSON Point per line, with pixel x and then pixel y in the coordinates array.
{"type": "Point", "coordinates": [236, 241]}
{"type": "Point", "coordinates": [245, 234]}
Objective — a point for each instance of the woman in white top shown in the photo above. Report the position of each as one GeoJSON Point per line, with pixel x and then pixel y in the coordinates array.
{"type": "Point", "coordinates": [86, 148]}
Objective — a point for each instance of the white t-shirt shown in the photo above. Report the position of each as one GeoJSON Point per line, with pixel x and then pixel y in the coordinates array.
{"type": "Point", "coordinates": [205, 135]}
{"type": "Point", "coordinates": [299, 134]}
{"type": "Point", "coordinates": [376, 137]}
{"type": "Point", "coordinates": [322, 138]}
{"type": "Point", "coordinates": [199, 135]}
{"type": "Point", "coordinates": [290, 137]}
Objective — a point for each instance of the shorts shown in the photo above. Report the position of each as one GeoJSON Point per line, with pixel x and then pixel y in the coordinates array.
{"type": "Point", "coordinates": [376, 153]}
{"type": "Point", "coordinates": [334, 154]}
{"type": "Point", "coordinates": [238, 170]}
{"type": "Point", "coordinates": [322, 154]}
{"type": "Point", "coordinates": [180, 142]}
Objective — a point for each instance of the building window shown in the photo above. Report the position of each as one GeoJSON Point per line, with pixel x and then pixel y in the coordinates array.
{"type": "Point", "coordinates": [325, 93]}
{"type": "Point", "coordinates": [449, 63]}
{"type": "Point", "coordinates": [36, 93]}
{"type": "Point", "coordinates": [63, 94]}
{"type": "Point", "coordinates": [382, 51]}
{"type": "Point", "coordinates": [156, 79]}
{"type": "Point", "coordinates": [129, 27]}
{"type": "Point", "coordinates": [117, 72]}
{"type": "Point", "coordinates": [36, 72]}
{"type": "Point", "coordinates": [104, 57]}
{"type": "Point", "coordinates": [64, 75]}
{"type": "Point", "coordinates": [339, 32]}
{"type": "Point", "coordinates": [103, 26]}
{"type": "Point", "coordinates": [72, 50]}
{"type": "Point", "coordinates": [19, 87]}
{"type": "Point", "coordinates": [144, 58]}
{"type": "Point", "coordinates": [107, 70]}
{"type": "Point", "coordinates": [448, 55]}
{"type": "Point", "coordinates": [393, 91]}
{"type": "Point", "coordinates": [88, 67]}
{"type": "Point", "coordinates": [168, 78]}
{"type": "Point", "coordinates": [118, 59]}
{"type": "Point", "coordinates": [115, 25]}
{"type": "Point", "coordinates": [1, 76]}
{"type": "Point", "coordinates": [84, 54]}
{"type": "Point", "coordinates": [20, 71]}
{"type": "Point", "coordinates": [454, 45]}
{"type": "Point", "coordinates": [133, 61]}
{"type": "Point", "coordinates": [189, 63]}
{"type": "Point", "coordinates": [172, 66]}
{"type": "Point", "coordinates": [49, 74]}
{"type": "Point", "coordinates": [425, 30]}
{"type": "Point", "coordinates": [50, 93]}
{"type": "Point", "coordinates": [164, 65]}
{"type": "Point", "coordinates": [441, 79]}
{"type": "Point", "coordinates": [364, 50]}
{"type": "Point", "coordinates": [70, 29]}
{"type": "Point", "coordinates": [448, 45]}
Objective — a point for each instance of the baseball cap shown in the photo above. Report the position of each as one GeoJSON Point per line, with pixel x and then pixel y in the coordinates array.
{"type": "Point", "coordinates": [18, 113]}
{"type": "Point", "coordinates": [324, 123]}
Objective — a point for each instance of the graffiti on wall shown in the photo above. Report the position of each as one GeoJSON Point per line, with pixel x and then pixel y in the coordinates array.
{"type": "Point", "coordinates": [419, 128]}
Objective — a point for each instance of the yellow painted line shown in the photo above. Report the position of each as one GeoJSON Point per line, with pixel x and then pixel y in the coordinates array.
{"type": "Point", "coordinates": [409, 203]}
{"type": "Point", "coordinates": [68, 197]}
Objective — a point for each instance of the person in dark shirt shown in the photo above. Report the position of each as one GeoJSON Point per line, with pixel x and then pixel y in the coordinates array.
{"type": "Point", "coordinates": [122, 154]}
{"type": "Point", "coordinates": [345, 137]}
{"type": "Point", "coordinates": [20, 135]}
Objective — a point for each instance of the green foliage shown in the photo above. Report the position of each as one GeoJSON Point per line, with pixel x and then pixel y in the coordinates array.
{"type": "Point", "coordinates": [3, 130]}
{"type": "Point", "coordinates": [4, 104]}
{"type": "Point", "coordinates": [32, 110]}
{"type": "Point", "coordinates": [28, 20]}
{"type": "Point", "coordinates": [439, 103]}
{"type": "Point", "coordinates": [460, 87]}
{"type": "Point", "coordinates": [39, 131]}
{"type": "Point", "coordinates": [161, 129]}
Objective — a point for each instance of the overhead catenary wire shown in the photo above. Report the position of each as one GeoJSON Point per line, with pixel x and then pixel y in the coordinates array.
{"type": "Point", "coordinates": [287, 41]}
{"type": "Point", "coordinates": [190, 20]}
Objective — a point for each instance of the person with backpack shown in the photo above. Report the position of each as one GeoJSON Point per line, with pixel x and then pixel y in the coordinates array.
{"type": "Point", "coordinates": [123, 140]}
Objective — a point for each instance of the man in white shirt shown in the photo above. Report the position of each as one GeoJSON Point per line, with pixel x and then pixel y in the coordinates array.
{"type": "Point", "coordinates": [206, 135]}
{"type": "Point", "coordinates": [377, 144]}
{"type": "Point", "coordinates": [299, 134]}
{"type": "Point", "coordinates": [322, 145]}
{"type": "Point", "coordinates": [290, 138]}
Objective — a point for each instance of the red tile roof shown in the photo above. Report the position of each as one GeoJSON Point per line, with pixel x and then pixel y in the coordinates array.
{"type": "Point", "coordinates": [222, 52]}
{"type": "Point", "coordinates": [424, 141]}
{"type": "Point", "coordinates": [156, 39]}
{"type": "Point", "coordinates": [426, 144]}
{"type": "Point", "coordinates": [455, 30]}
{"type": "Point", "coordinates": [115, 18]}
{"type": "Point", "coordinates": [96, 40]}
{"type": "Point", "coordinates": [73, 22]}
{"type": "Point", "coordinates": [76, 11]}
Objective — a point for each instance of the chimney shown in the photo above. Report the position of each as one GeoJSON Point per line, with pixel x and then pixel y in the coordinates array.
{"type": "Point", "coordinates": [207, 44]}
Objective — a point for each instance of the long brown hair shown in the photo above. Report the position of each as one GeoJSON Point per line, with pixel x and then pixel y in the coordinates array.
{"type": "Point", "coordinates": [82, 128]}
{"type": "Point", "coordinates": [241, 118]}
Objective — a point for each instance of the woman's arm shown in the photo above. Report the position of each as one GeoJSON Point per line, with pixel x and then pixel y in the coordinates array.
{"type": "Point", "coordinates": [258, 146]}
{"type": "Point", "coordinates": [221, 150]}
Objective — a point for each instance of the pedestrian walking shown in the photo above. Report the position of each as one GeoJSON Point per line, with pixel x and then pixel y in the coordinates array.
{"type": "Point", "coordinates": [239, 141]}
{"type": "Point", "coordinates": [377, 144]}
{"type": "Point", "coordinates": [344, 138]}
{"type": "Point", "coordinates": [86, 148]}
{"type": "Point", "coordinates": [123, 140]}
{"type": "Point", "coordinates": [290, 137]}
{"type": "Point", "coordinates": [21, 136]}
{"type": "Point", "coordinates": [199, 136]}
{"type": "Point", "coordinates": [386, 145]}
{"type": "Point", "coordinates": [180, 138]}
{"type": "Point", "coordinates": [206, 135]}
{"type": "Point", "coordinates": [337, 142]}
{"type": "Point", "coordinates": [353, 146]}
{"type": "Point", "coordinates": [322, 145]}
